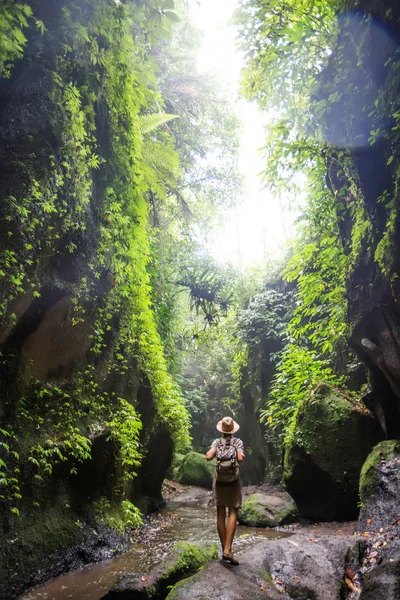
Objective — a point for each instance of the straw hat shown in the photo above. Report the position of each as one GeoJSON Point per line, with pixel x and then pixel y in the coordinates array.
{"type": "Point", "coordinates": [227, 425]}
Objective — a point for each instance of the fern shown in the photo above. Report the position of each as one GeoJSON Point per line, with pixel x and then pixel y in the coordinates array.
{"type": "Point", "coordinates": [148, 123]}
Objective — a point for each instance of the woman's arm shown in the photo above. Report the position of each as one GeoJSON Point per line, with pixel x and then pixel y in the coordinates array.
{"type": "Point", "coordinates": [240, 456]}
{"type": "Point", "coordinates": [211, 453]}
{"type": "Point", "coordinates": [239, 451]}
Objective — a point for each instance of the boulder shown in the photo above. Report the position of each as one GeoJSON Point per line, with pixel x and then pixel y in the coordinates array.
{"type": "Point", "coordinates": [382, 582]}
{"type": "Point", "coordinates": [380, 516]}
{"type": "Point", "coordinates": [266, 510]}
{"type": "Point", "coordinates": [380, 486]}
{"type": "Point", "coordinates": [185, 559]}
{"type": "Point", "coordinates": [173, 469]}
{"type": "Point", "coordinates": [195, 470]}
{"type": "Point", "coordinates": [57, 343]}
{"type": "Point", "coordinates": [294, 568]}
{"type": "Point", "coordinates": [224, 582]}
{"type": "Point", "coordinates": [328, 441]}
{"type": "Point", "coordinates": [310, 568]}
{"type": "Point", "coordinates": [375, 339]}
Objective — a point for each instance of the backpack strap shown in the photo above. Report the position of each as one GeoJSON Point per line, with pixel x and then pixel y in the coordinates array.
{"type": "Point", "coordinates": [224, 442]}
{"type": "Point", "coordinates": [227, 443]}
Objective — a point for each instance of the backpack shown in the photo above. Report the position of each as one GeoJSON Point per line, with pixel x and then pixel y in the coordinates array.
{"type": "Point", "coordinates": [227, 467]}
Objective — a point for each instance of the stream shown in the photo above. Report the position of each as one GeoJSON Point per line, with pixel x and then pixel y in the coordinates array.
{"type": "Point", "coordinates": [183, 521]}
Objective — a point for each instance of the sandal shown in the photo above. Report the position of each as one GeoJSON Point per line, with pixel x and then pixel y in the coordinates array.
{"type": "Point", "coordinates": [230, 558]}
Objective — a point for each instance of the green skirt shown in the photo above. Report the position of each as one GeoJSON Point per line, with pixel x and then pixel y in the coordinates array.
{"type": "Point", "coordinates": [227, 494]}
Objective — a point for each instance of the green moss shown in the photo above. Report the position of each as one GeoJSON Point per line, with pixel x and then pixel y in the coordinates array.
{"type": "Point", "coordinates": [175, 590]}
{"type": "Point", "coordinates": [35, 539]}
{"type": "Point", "coordinates": [383, 451]}
{"type": "Point", "coordinates": [186, 559]}
{"type": "Point", "coordinates": [251, 514]}
{"type": "Point", "coordinates": [176, 462]}
{"type": "Point", "coordinates": [53, 211]}
{"type": "Point", "coordinates": [178, 458]}
{"type": "Point", "coordinates": [267, 577]}
{"type": "Point", "coordinates": [210, 589]}
{"type": "Point", "coordinates": [195, 470]}
{"type": "Point", "coordinates": [190, 559]}
{"type": "Point", "coordinates": [257, 512]}
{"type": "Point", "coordinates": [328, 426]}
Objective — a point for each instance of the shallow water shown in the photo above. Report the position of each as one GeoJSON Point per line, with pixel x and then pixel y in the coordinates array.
{"type": "Point", "coordinates": [184, 522]}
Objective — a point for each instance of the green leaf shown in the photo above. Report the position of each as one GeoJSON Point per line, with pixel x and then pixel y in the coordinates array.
{"type": "Point", "coordinates": [171, 16]}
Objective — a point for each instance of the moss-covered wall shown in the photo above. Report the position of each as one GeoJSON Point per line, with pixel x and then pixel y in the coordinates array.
{"type": "Point", "coordinates": [85, 391]}
{"type": "Point", "coordinates": [360, 128]}
{"type": "Point", "coordinates": [328, 441]}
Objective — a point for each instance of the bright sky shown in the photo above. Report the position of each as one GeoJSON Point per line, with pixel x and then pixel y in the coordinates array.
{"type": "Point", "coordinates": [254, 230]}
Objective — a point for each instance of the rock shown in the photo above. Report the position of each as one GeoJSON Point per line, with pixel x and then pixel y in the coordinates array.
{"type": "Point", "coordinates": [294, 568]}
{"type": "Point", "coordinates": [223, 582]}
{"type": "Point", "coordinates": [382, 582]}
{"type": "Point", "coordinates": [58, 392]}
{"type": "Point", "coordinates": [56, 344]}
{"type": "Point", "coordinates": [151, 474]}
{"type": "Point", "coordinates": [380, 486]}
{"type": "Point", "coordinates": [307, 568]}
{"type": "Point", "coordinates": [173, 468]}
{"type": "Point", "coordinates": [195, 470]}
{"type": "Point", "coordinates": [375, 339]}
{"type": "Point", "coordinates": [328, 442]}
{"type": "Point", "coordinates": [81, 544]}
{"type": "Point", "coordinates": [381, 563]}
{"type": "Point", "coordinates": [190, 494]}
{"type": "Point", "coordinates": [184, 560]}
{"type": "Point", "coordinates": [266, 510]}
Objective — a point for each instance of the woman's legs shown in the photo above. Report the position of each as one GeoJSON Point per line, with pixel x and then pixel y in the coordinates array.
{"type": "Point", "coordinates": [230, 530]}
{"type": "Point", "coordinates": [221, 514]}
{"type": "Point", "coordinates": [226, 530]}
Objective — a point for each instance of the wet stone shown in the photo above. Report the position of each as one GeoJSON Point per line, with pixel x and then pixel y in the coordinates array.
{"type": "Point", "coordinates": [185, 559]}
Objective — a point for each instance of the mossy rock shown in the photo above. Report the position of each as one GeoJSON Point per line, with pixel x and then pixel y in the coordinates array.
{"type": "Point", "coordinates": [369, 478]}
{"type": "Point", "coordinates": [184, 560]}
{"type": "Point", "coordinates": [195, 470]}
{"type": "Point", "coordinates": [329, 439]}
{"type": "Point", "coordinates": [176, 462]}
{"type": "Point", "coordinates": [262, 510]}
{"type": "Point", "coordinates": [187, 559]}
{"type": "Point", "coordinates": [380, 484]}
{"type": "Point", "coordinates": [35, 536]}
{"type": "Point", "coordinates": [218, 581]}
{"type": "Point", "coordinates": [382, 582]}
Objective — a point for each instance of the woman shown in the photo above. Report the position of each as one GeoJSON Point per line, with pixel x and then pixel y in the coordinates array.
{"type": "Point", "coordinates": [227, 495]}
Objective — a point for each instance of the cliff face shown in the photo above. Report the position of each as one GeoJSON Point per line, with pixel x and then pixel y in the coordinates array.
{"type": "Point", "coordinates": [361, 132]}
{"type": "Point", "coordinates": [87, 401]}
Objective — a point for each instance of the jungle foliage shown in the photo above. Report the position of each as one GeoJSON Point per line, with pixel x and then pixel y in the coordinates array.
{"type": "Point", "coordinates": [312, 66]}
{"type": "Point", "coordinates": [127, 176]}
{"type": "Point", "coordinates": [139, 164]}
{"type": "Point", "coordinates": [287, 45]}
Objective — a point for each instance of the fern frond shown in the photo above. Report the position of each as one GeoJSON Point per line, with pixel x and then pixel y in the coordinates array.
{"type": "Point", "coordinates": [151, 122]}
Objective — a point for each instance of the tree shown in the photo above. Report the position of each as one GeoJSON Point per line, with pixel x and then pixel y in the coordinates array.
{"type": "Point", "coordinates": [288, 46]}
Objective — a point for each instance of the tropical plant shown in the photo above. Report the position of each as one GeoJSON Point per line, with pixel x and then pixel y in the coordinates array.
{"type": "Point", "coordinates": [288, 45]}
